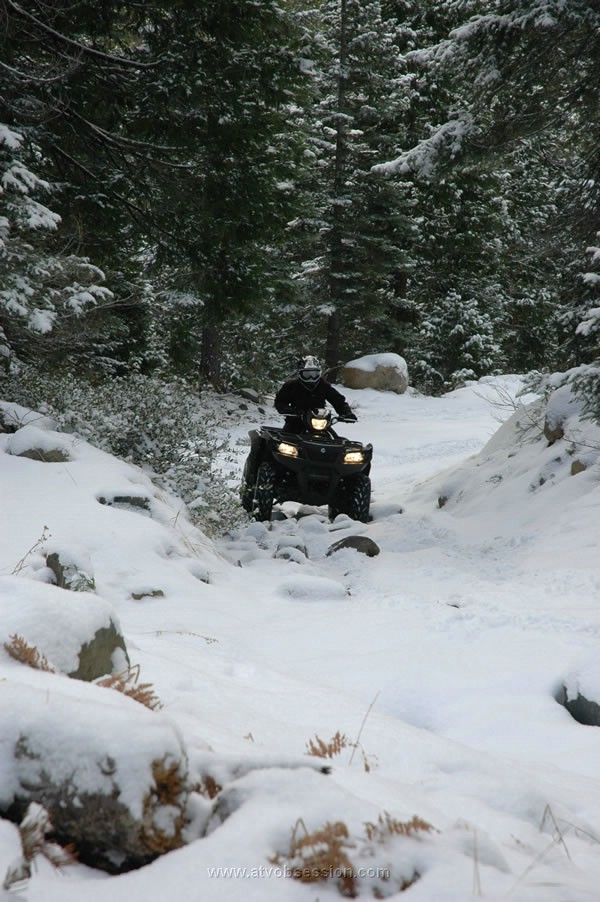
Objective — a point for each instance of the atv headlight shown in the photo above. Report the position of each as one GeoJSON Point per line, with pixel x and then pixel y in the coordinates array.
{"type": "Point", "coordinates": [287, 450]}
{"type": "Point", "coordinates": [354, 457]}
{"type": "Point", "coordinates": [319, 423]}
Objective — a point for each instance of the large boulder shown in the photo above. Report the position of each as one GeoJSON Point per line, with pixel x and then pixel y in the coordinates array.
{"type": "Point", "coordinates": [112, 774]}
{"type": "Point", "coordinates": [75, 633]}
{"type": "Point", "coordinates": [383, 372]}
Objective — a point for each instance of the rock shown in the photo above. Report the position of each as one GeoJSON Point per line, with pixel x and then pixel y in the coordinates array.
{"type": "Point", "coordinates": [68, 574]}
{"type": "Point", "coordinates": [583, 710]}
{"type": "Point", "coordinates": [562, 405]}
{"type": "Point", "coordinates": [100, 656]}
{"type": "Point", "coordinates": [138, 501]}
{"type": "Point", "coordinates": [363, 544]}
{"type": "Point", "coordinates": [553, 431]}
{"type": "Point", "coordinates": [249, 394]}
{"type": "Point", "coordinates": [578, 466]}
{"type": "Point", "coordinates": [580, 692]}
{"type": "Point", "coordinates": [148, 593]}
{"type": "Point", "coordinates": [383, 372]}
{"type": "Point", "coordinates": [74, 633]}
{"type": "Point", "coordinates": [52, 456]}
{"type": "Point", "coordinates": [289, 553]}
{"type": "Point", "coordinates": [112, 773]}
{"type": "Point", "coordinates": [41, 445]}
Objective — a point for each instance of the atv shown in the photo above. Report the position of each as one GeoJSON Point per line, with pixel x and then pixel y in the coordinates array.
{"type": "Point", "coordinates": [315, 467]}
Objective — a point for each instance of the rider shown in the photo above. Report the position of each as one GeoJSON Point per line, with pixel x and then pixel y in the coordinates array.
{"type": "Point", "coordinates": [308, 390]}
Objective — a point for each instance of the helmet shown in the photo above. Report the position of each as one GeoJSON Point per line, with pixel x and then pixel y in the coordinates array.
{"type": "Point", "coordinates": [309, 371]}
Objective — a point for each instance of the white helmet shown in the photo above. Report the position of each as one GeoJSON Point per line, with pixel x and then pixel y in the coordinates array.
{"type": "Point", "coordinates": [309, 371]}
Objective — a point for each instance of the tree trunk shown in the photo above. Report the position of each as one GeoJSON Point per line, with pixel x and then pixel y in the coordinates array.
{"type": "Point", "coordinates": [336, 246]}
{"type": "Point", "coordinates": [210, 355]}
{"type": "Point", "coordinates": [332, 349]}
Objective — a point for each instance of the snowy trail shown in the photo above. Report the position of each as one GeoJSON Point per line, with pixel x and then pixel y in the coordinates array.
{"type": "Point", "coordinates": [495, 630]}
{"type": "Point", "coordinates": [438, 661]}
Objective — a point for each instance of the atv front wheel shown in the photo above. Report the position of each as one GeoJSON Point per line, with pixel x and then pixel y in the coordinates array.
{"type": "Point", "coordinates": [354, 500]}
{"type": "Point", "coordinates": [247, 486]}
{"type": "Point", "coordinates": [359, 498]}
{"type": "Point", "coordinates": [264, 492]}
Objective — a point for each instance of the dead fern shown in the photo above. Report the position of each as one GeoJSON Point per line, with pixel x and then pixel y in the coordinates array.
{"type": "Point", "coordinates": [32, 833]}
{"type": "Point", "coordinates": [320, 855]}
{"type": "Point", "coordinates": [320, 749]}
{"type": "Point", "coordinates": [324, 854]}
{"type": "Point", "coordinates": [127, 683]}
{"type": "Point", "coordinates": [21, 651]}
{"type": "Point", "coordinates": [209, 787]}
{"type": "Point", "coordinates": [168, 791]}
{"type": "Point", "coordinates": [388, 826]}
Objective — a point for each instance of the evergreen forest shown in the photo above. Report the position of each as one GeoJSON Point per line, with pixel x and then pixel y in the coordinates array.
{"type": "Point", "coordinates": [196, 192]}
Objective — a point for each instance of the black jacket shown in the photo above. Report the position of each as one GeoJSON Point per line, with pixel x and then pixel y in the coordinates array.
{"type": "Point", "coordinates": [294, 396]}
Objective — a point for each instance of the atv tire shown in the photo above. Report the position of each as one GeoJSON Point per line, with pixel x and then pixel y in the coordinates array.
{"type": "Point", "coordinates": [354, 500]}
{"type": "Point", "coordinates": [264, 492]}
{"type": "Point", "coordinates": [247, 486]}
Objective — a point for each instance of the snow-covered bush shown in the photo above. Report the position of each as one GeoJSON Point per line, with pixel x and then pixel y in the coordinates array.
{"type": "Point", "coordinates": [161, 426]}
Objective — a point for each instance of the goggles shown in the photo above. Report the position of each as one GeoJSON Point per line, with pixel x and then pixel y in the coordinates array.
{"type": "Point", "coordinates": [309, 375]}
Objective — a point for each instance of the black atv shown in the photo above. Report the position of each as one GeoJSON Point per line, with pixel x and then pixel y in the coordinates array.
{"type": "Point", "coordinates": [314, 467]}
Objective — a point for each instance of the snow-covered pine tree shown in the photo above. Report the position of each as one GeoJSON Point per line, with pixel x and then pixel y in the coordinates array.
{"type": "Point", "coordinates": [355, 269]}
{"type": "Point", "coordinates": [519, 81]}
{"type": "Point", "coordinates": [45, 292]}
{"type": "Point", "coordinates": [224, 94]}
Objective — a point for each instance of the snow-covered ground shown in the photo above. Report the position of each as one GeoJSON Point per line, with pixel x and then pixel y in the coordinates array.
{"type": "Point", "coordinates": [436, 663]}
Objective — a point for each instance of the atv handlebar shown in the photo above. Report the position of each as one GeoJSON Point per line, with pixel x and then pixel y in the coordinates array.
{"type": "Point", "coordinates": [335, 417]}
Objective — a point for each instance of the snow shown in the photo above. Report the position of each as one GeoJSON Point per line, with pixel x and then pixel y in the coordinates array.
{"type": "Point", "coordinates": [370, 362]}
{"type": "Point", "coordinates": [439, 660]}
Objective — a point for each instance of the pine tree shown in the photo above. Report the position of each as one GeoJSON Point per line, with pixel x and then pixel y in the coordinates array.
{"type": "Point", "coordinates": [506, 113]}
{"type": "Point", "coordinates": [226, 94]}
{"type": "Point", "coordinates": [356, 272]}
{"type": "Point", "coordinates": [47, 297]}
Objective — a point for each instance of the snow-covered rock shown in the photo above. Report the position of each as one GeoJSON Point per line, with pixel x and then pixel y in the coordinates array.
{"type": "Point", "coordinates": [581, 691]}
{"type": "Point", "coordinates": [122, 798]}
{"type": "Point", "coordinates": [383, 372]}
{"type": "Point", "coordinates": [74, 633]}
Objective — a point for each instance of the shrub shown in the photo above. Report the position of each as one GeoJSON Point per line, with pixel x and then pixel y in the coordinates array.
{"type": "Point", "coordinates": [162, 426]}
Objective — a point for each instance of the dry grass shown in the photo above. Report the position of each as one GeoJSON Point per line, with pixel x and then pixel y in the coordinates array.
{"type": "Point", "coordinates": [128, 683]}
{"type": "Point", "coordinates": [32, 833]}
{"type": "Point", "coordinates": [20, 565]}
{"type": "Point", "coordinates": [28, 654]}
